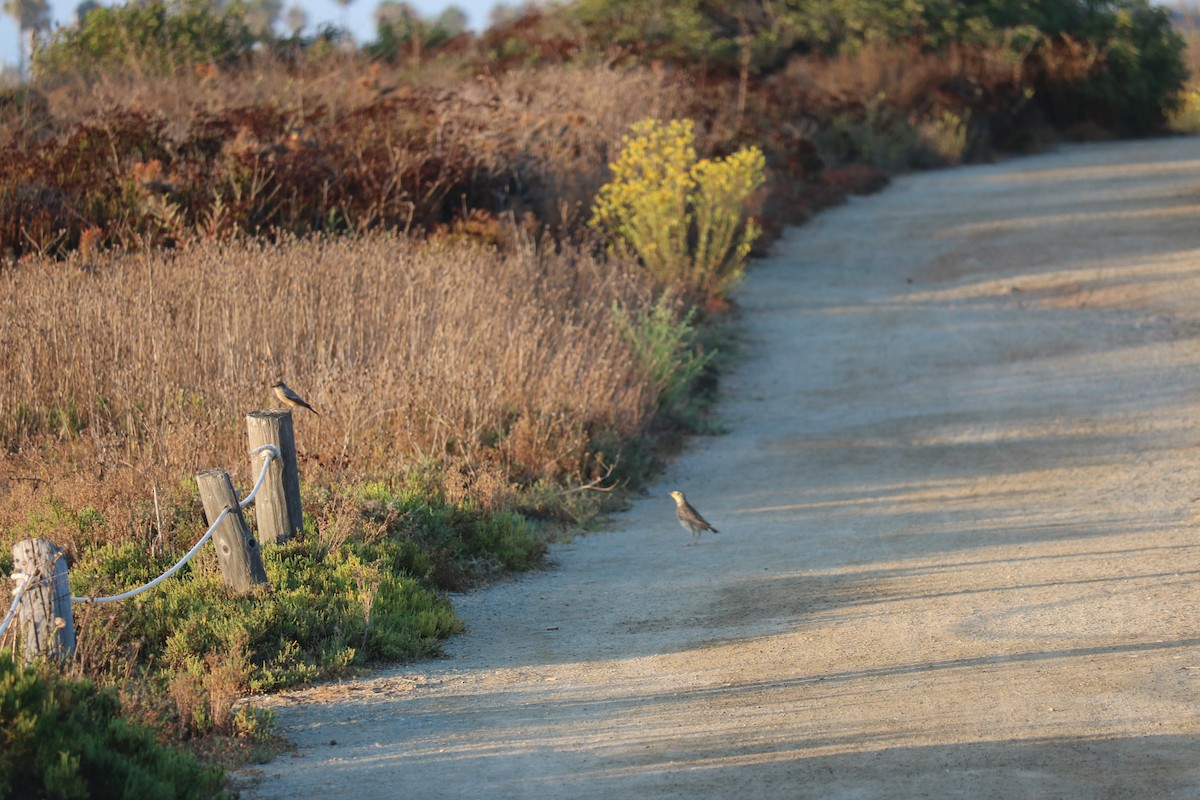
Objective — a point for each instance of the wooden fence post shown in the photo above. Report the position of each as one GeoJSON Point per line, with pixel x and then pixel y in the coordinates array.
{"type": "Point", "coordinates": [277, 504]}
{"type": "Point", "coordinates": [237, 550]}
{"type": "Point", "coordinates": [47, 625]}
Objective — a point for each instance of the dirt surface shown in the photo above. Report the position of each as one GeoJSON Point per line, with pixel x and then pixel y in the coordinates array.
{"type": "Point", "coordinates": [959, 550]}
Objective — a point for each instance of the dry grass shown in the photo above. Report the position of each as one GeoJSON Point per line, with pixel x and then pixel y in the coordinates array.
{"type": "Point", "coordinates": [137, 371]}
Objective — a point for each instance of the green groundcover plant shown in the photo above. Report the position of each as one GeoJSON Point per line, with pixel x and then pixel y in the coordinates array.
{"type": "Point", "coordinates": [66, 739]}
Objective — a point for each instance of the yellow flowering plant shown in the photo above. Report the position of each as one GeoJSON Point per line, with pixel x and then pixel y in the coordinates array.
{"type": "Point", "coordinates": [681, 216]}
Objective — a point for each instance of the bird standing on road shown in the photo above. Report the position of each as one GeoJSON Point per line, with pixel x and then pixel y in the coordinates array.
{"type": "Point", "coordinates": [290, 398]}
{"type": "Point", "coordinates": [690, 518]}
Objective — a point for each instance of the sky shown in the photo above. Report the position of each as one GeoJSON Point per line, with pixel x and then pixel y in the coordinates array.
{"type": "Point", "coordinates": [358, 17]}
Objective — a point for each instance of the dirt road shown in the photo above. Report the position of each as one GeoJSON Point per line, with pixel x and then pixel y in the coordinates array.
{"type": "Point", "coordinates": [959, 552]}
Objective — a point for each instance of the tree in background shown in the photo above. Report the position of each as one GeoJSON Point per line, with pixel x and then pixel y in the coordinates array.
{"type": "Point", "coordinates": [33, 18]}
{"type": "Point", "coordinates": [401, 31]}
{"type": "Point", "coordinates": [153, 36]}
{"type": "Point", "coordinates": [296, 19]}
{"type": "Point", "coordinates": [398, 30]}
{"type": "Point", "coordinates": [1115, 63]}
{"type": "Point", "coordinates": [82, 10]}
{"type": "Point", "coordinates": [451, 22]}
{"type": "Point", "coordinates": [262, 16]}
{"type": "Point", "coordinates": [508, 13]}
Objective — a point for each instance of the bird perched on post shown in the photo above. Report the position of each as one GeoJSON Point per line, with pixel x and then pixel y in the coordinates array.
{"type": "Point", "coordinates": [690, 518]}
{"type": "Point", "coordinates": [290, 398]}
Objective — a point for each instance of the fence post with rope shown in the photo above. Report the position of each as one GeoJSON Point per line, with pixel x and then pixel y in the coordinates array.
{"type": "Point", "coordinates": [42, 595]}
{"type": "Point", "coordinates": [43, 600]}
{"type": "Point", "coordinates": [237, 551]}
{"type": "Point", "coordinates": [277, 509]}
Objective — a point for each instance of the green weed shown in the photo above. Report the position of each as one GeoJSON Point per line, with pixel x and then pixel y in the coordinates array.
{"type": "Point", "coordinates": [663, 340]}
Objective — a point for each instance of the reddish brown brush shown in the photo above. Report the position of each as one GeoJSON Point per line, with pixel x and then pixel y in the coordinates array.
{"type": "Point", "coordinates": [274, 150]}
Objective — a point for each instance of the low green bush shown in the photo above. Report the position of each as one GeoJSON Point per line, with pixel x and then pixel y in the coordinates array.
{"type": "Point", "coordinates": [375, 593]}
{"type": "Point", "coordinates": [663, 340]}
{"type": "Point", "coordinates": [65, 739]}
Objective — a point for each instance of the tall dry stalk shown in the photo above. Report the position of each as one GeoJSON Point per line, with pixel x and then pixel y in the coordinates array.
{"type": "Point", "coordinates": [148, 363]}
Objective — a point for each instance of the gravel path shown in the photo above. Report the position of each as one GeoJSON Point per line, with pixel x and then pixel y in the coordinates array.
{"type": "Point", "coordinates": [958, 554]}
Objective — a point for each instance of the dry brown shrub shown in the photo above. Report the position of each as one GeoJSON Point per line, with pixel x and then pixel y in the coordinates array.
{"type": "Point", "coordinates": [902, 77]}
{"type": "Point", "coordinates": [138, 160]}
{"type": "Point", "coordinates": [186, 690]}
{"type": "Point", "coordinates": [181, 97]}
{"type": "Point", "coordinates": [138, 371]}
{"type": "Point", "coordinates": [563, 126]}
{"type": "Point", "coordinates": [484, 485]}
{"type": "Point", "coordinates": [225, 679]}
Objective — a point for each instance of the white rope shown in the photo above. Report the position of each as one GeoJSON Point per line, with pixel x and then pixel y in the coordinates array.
{"type": "Point", "coordinates": [270, 452]}
{"type": "Point", "coordinates": [23, 582]}
{"type": "Point", "coordinates": [179, 564]}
